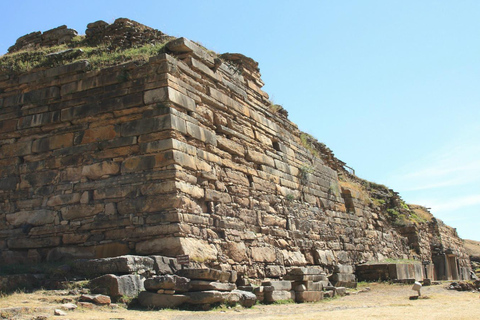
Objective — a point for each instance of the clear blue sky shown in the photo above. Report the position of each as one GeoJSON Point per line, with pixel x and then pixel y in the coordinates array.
{"type": "Point", "coordinates": [392, 87]}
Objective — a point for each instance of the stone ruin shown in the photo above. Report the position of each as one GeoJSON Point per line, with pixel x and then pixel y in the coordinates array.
{"type": "Point", "coordinates": [186, 155]}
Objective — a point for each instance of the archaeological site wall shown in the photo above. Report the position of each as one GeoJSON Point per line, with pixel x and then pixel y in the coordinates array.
{"type": "Point", "coordinates": [185, 154]}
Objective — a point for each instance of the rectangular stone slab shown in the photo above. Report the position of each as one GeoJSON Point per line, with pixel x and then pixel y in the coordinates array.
{"type": "Point", "coordinates": [308, 296]}
{"type": "Point", "coordinates": [204, 274]}
{"type": "Point", "coordinates": [203, 285]}
{"type": "Point", "coordinates": [157, 300]}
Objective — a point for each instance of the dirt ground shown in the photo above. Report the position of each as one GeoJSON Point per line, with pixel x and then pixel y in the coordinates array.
{"type": "Point", "coordinates": [383, 301]}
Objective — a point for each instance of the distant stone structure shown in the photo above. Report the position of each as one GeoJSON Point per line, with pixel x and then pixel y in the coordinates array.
{"type": "Point", "coordinates": [185, 154]}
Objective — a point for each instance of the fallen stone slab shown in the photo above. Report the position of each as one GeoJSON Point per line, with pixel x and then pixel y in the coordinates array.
{"type": "Point", "coordinates": [68, 306]}
{"type": "Point", "coordinates": [203, 285]}
{"type": "Point", "coordinates": [205, 297]}
{"type": "Point", "coordinates": [116, 286]}
{"type": "Point", "coordinates": [167, 282]}
{"type": "Point", "coordinates": [99, 299]}
{"type": "Point", "coordinates": [158, 300]}
{"type": "Point", "coordinates": [116, 265]}
{"type": "Point", "coordinates": [274, 296]}
{"type": "Point", "coordinates": [308, 296]}
{"type": "Point", "coordinates": [340, 291]}
{"type": "Point", "coordinates": [279, 285]}
{"type": "Point", "coordinates": [204, 274]}
{"type": "Point", "coordinates": [247, 299]}
{"type": "Point", "coordinates": [307, 286]}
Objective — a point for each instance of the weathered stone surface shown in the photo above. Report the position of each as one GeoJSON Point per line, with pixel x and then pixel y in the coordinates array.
{"type": "Point", "coordinates": [308, 286]}
{"type": "Point", "coordinates": [263, 254]}
{"type": "Point", "coordinates": [204, 274]}
{"type": "Point", "coordinates": [279, 285]}
{"type": "Point", "coordinates": [175, 246]}
{"type": "Point", "coordinates": [244, 298]}
{"type": "Point", "coordinates": [343, 269]}
{"type": "Point", "coordinates": [34, 217]}
{"type": "Point", "coordinates": [95, 298]}
{"type": "Point", "coordinates": [273, 296]}
{"type": "Point", "coordinates": [205, 297]}
{"type": "Point", "coordinates": [117, 286]}
{"type": "Point", "coordinates": [101, 169]}
{"type": "Point", "coordinates": [156, 300]}
{"type": "Point", "coordinates": [116, 265]}
{"type": "Point", "coordinates": [203, 285]}
{"type": "Point", "coordinates": [340, 291]}
{"type": "Point", "coordinates": [167, 282]}
{"type": "Point", "coordinates": [308, 296]}
{"type": "Point", "coordinates": [165, 265]}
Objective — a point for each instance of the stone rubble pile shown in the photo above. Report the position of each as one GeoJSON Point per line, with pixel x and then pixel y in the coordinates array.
{"type": "Point", "coordinates": [159, 282]}
{"type": "Point", "coordinates": [465, 286]}
{"type": "Point", "coordinates": [195, 287]}
{"type": "Point", "coordinates": [48, 38]}
{"type": "Point", "coordinates": [123, 33]}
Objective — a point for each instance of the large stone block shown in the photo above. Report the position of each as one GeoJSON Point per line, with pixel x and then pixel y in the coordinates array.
{"type": "Point", "coordinates": [165, 265]}
{"type": "Point", "coordinates": [183, 45]}
{"type": "Point", "coordinates": [205, 297]}
{"type": "Point", "coordinates": [33, 217]}
{"type": "Point", "coordinates": [117, 286]}
{"type": "Point", "coordinates": [81, 211]}
{"type": "Point", "coordinates": [156, 300]}
{"type": "Point", "coordinates": [279, 285]}
{"type": "Point", "coordinates": [308, 286]}
{"type": "Point", "coordinates": [263, 254]}
{"type": "Point", "coordinates": [204, 285]}
{"type": "Point", "coordinates": [100, 169]}
{"type": "Point", "coordinates": [308, 296]}
{"type": "Point", "coordinates": [205, 274]}
{"type": "Point", "coordinates": [167, 282]}
{"type": "Point", "coordinates": [274, 296]}
{"type": "Point", "coordinates": [198, 250]}
{"type": "Point", "coordinates": [116, 265]}
{"type": "Point", "coordinates": [167, 94]}
{"type": "Point", "coordinates": [295, 258]}
{"type": "Point", "coordinates": [343, 268]}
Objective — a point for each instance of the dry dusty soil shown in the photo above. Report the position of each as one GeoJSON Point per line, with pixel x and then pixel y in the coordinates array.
{"type": "Point", "coordinates": [383, 301]}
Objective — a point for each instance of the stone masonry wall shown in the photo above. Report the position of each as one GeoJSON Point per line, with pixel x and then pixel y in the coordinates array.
{"type": "Point", "coordinates": [181, 155]}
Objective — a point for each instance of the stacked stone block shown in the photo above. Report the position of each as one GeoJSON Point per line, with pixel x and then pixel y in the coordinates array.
{"type": "Point", "coordinates": [196, 287]}
{"type": "Point", "coordinates": [343, 276]}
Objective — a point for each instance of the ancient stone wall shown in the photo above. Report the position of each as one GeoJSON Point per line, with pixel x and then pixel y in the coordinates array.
{"type": "Point", "coordinates": [184, 154]}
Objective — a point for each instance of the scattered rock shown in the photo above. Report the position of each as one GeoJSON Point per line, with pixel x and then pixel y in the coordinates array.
{"type": "Point", "coordinates": [68, 306]}
{"type": "Point", "coordinates": [95, 298]}
{"type": "Point", "coordinates": [59, 312]}
{"type": "Point", "coordinates": [116, 286]}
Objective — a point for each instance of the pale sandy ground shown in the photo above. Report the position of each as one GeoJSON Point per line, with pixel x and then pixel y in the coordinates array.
{"type": "Point", "coordinates": [382, 302]}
